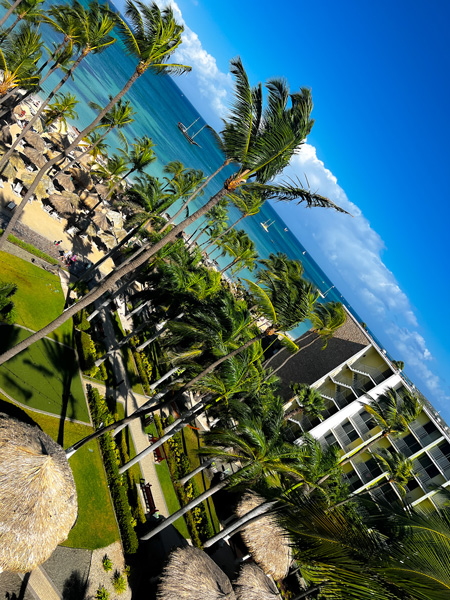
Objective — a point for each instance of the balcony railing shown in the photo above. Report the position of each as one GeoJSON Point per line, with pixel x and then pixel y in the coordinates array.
{"type": "Point", "coordinates": [441, 461]}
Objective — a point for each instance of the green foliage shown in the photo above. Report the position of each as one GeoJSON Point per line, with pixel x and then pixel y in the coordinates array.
{"type": "Point", "coordinates": [119, 583]}
{"type": "Point", "coordinates": [107, 563]}
{"type": "Point", "coordinates": [87, 353]}
{"type": "Point", "coordinates": [111, 456]}
{"type": "Point", "coordinates": [7, 291]}
{"type": "Point", "coordinates": [31, 249]}
{"type": "Point", "coordinates": [102, 594]}
{"type": "Point", "coordinates": [138, 356]}
{"type": "Point", "coordinates": [81, 322]}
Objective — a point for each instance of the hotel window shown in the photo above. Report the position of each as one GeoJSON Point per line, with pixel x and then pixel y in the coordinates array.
{"type": "Point", "coordinates": [350, 431]}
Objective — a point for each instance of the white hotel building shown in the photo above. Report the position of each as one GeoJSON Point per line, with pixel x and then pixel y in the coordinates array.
{"type": "Point", "coordinates": [350, 372]}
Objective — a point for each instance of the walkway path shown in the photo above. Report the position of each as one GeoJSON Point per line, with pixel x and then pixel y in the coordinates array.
{"type": "Point", "coordinates": [42, 585]}
{"type": "Point", "coordinates": [132, 401]}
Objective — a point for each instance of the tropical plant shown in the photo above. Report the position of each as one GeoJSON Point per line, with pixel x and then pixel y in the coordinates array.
{"type": "Point", "coordinates": [243, 251]}
{"type": "Point", "coordinates": [61, 109]}
{"type": "Point", "coordinates": [18, 64]}
{"type": "Point", "coordinates": [107, 563]}
{"type": "Point", "coordinates": [28, 10]}
{"type": "Point", "coordinates": [119, 583]}
{"type": "Point", "coordinates": [95, 25]}
{"type": "Point", "coordinates": [152, 36]}
{"type": "Point", "coordinates": [140, 155]}
{"type": "Point", "coordinates": [309, 401]}
{"type": "Point", "coordinates": [7, 291]}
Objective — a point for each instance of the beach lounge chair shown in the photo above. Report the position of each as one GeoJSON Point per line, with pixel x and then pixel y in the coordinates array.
{"type": "Point", "coordinates": [17, 188]}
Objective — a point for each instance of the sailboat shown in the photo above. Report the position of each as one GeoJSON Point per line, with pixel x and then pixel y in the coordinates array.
{"type": "Point", "coordinates": [184, 130]}
{"type": "Point", "coordinates": [267, 224]}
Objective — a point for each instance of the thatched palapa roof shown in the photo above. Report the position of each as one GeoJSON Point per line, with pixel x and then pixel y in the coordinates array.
{"type": "Point", "coordinates": [35, 140]}
{"type": "Point", "coordinates": [191, 575]}
{"type": "Point", "coordinates": [267, 541]}
{"type": "Point", "coordinates": [38, 499]}
{"type": "Point", "coordinates": [34, 156]}
{"type": "Point", "coordinates": [253, 584]}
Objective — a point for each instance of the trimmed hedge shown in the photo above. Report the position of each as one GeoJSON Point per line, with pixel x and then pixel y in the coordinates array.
{"type": "Point", "coordinates": [179, 465]}
{"type": "Point", "coordinates": [111, 459]}
{"type": "Point", "coordinates": [31, 249]}
{"type": "Point", "coordinates": [142, 372]}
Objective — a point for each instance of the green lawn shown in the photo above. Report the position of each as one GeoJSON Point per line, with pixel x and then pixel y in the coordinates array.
{"type": "Point", "coordinates": [96, 524]}
{"type": "Point", "coordinates": [44, 376]}
{"type": "Point", "coordinates": [39, 298]}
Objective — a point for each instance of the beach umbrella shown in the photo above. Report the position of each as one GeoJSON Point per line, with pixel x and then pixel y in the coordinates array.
{"type": "Point", "coordinates": [101, 189]}
{"type": "Point", "coordinates": [34, 139]}
{"type": "Point", "coordinates": [38, 499]}
{"type": "Point", "coordinates": [44, 187]}
{"type": "Point", "coordinates": [16, 162]}
{"type": "Point", "coordinates": [191, 575]}
{"type": "Point", "coordinates": [101, 220]}
{"type": "Point", "coordinates": [5, 135]}
{"type": "Point", "coordinates": [253, 584]}
{"type": "Point", "coordinates": [91, 230]}
{"type": "Point", "coordinates": [90, 200]}
{"type": "Point", "coordinates": [116, 218]}
{"type": "Point", "coordinates": [65, 181]}
{"type": "Point", "coordinates": [35, 156]}
{"type": "Point", "coordinates": [64, 202]}
{"type": "Point", "coordinates": [58, 140]}
{"type": "Point", "coordinates": [267, 541]}
{"type": "Point", "coordinates": [82, 177]}
{"type": "Point", "coordinates": [108, 239]}
{"type": "Point", "coordinates": [8, 173]}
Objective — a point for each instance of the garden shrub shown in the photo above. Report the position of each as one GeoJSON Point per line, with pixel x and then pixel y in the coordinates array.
{"type": "Point", "coordinates": [81, 321]}
{"type": "Point", "coordinates": [102, 594]}
{"type": "Point", "coordinates": [142, 372]}
{"type": "Point", "coordinates": [87, 352]}
{"type": "Point", "coordinates": [107, 563]}
{"type": "Point", "coordinates": [119, 583]}
{"type": "Point", "coordinates": [111, 459]}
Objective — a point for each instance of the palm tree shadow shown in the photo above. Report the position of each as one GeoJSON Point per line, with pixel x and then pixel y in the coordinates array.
{"type": "Point", "coordinates": [75, 587]}
{"type": "Point", "coordinates": [8, 336]}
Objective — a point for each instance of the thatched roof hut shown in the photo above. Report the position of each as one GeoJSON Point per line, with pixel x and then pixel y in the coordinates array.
{"type": "Point", "coordinates": [65, 181]}
{"type": "Point", "coordinates": [35, 140]}
{"type": "Point", "coordinates": [267, 541]}
{"type": "Point", "coordinates": [82, 177]}
{"type": "Point", "coordinates": [65, 202]}
{"type": "Point", "coordinates": [38, 499]}
{"type": "Point", "coordinates": [101, 220]}
{"type": "Point", "coordinates": [44, 187]}
{"type": "Point", "coordinates": [191, 575]}
{"type": "Point", "coordinates": [253, 584]}
{"type": "Point", "coordinates": [34, 156]}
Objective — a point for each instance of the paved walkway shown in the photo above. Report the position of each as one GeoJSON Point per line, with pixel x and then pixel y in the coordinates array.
{"type": "Point", "coordinates": [42, 586]}
{"type": "Point", "coordinates": [132, 401]}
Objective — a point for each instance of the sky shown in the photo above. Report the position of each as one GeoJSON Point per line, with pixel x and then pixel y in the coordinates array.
{"type": "Point", "coordinates": [379, 147]}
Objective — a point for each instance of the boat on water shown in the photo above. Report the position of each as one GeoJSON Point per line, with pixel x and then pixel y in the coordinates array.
{"type": "Point", "coordinates": [267, 224]}
{"type": "Point", "coordinates": [184, 130]}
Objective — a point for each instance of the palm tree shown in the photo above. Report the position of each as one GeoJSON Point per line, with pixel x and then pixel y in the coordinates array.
{"type": "Point", "coordinates": [249, 203]}
{"type": "Point", "coordinates": [95, 25]}
{"type": "Point", "coordinates": [216, 220]}
{"type": "Point", "coordinates": [259, 448]}
{"type": "Point", "coordinates": [152, 38]}
{"type": "Point", "coordinates": [392, 413]}
{"type": "Point", "coordinates": [140, 156]}
{"type": "Point", "coordinates": [12, 7]}
{"type": "Point", "coordinates": [243, 249]}
{"type": "Point", "coordinates": [121, 115]}
{"type": "Point", "coordinates": [309, 401]}
{"type": "Point", "coordinates": [18, 60]}
{"type": "Point", "coordinates": [28, 10]}
{"type": "Point", "coordinates": [61, 109]}
{"type": "Point", "coordinates": [326, 319]}
{"type": "Point", "coordinates": [262, 148]}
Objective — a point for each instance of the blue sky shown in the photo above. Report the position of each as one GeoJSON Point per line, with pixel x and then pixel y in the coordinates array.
{"type": "Point", "coordinates": [379, 78]}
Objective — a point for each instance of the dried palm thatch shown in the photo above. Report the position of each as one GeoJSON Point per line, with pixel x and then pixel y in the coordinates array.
{"type": "Point", "coordinates": [34, 156]}
{"type": "Point", "coordinates": [65, 202]}
{"type": "Point", "coordinates": [65, 181]}
{"type": "Point", "coordinates": [8, 172]}
{"type": "Point", "coordinates": [91, 230]}
{"type": "Point", "coordinates": [102, 190]}
{"type": "Point", "coordinates": [44, 187]}
{"type": "Point", "coordinates": [35, 140]}
{"type": "Point", "coordinates": [59, 140]}
{"type": "Point", "coordinates": [38, 500]}
{"type": "Point", "coordinates": [90, 200]}
{"type": "Point", "coordinates": [101, 220]}
{"type": "Point", "coordinates": [108, 239]}
{"type": "Point", "coordinates": [267, 541]}
{"type": "Point", "coordinates": [16, 161]}
{"type": "Point", "coordinates": [253, 584]}
{"type": "Point", "coordinates": [5, 135]}
{"type": "Point", "coordinates": [191, 575]}
{"type": "Point", "coordinates": [82, 177]}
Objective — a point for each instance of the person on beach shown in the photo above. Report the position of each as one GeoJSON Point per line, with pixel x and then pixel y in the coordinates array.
{"type": "Point", "coordinates": [66, 256]}
{"type": "Point", "coordinates": [57, 243]}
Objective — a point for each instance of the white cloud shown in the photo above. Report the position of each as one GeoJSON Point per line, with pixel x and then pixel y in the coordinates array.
{"type": "Point", "coordinates": [350, 251]}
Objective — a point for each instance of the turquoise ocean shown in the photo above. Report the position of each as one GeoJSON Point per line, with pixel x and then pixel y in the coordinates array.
{"type": "Point", "coordinates": [160, 105]}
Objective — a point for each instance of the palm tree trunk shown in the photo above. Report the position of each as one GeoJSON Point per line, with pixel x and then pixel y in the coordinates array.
{"type": "Point", "coordinates": [202, 467]}
{"type": "Point", "coordinates": [254, 515]}
{"type": "Point", "coordinates": [88, 149]}
{"type": "Point", "coordinates": [18, 211]}
{"type": "Point", "coordinates": [197, 191]}
{"type": "Point", "coordinates": [179, 513]}
{"type": "Point", "coordinates": [224, 232]}
{"type": "Point", "coordinates": [232, 263]}
{"type": "Point", "coordinates": [109, 282]}
{"type": "Point", "coordinates": [366, 491]}
{"type": "Point", "coordinates": [315, 588]}
{"type": "Point", "coordinates": [287, 359]}
{"type": "Point", "coordinates": [44, 104]}
{"type": "Point", "coordinates": [9, 12]}
{"type": "Point", "coordinates": [158, 334]}
{"type": "Point", "coordinates": [10, 28]}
